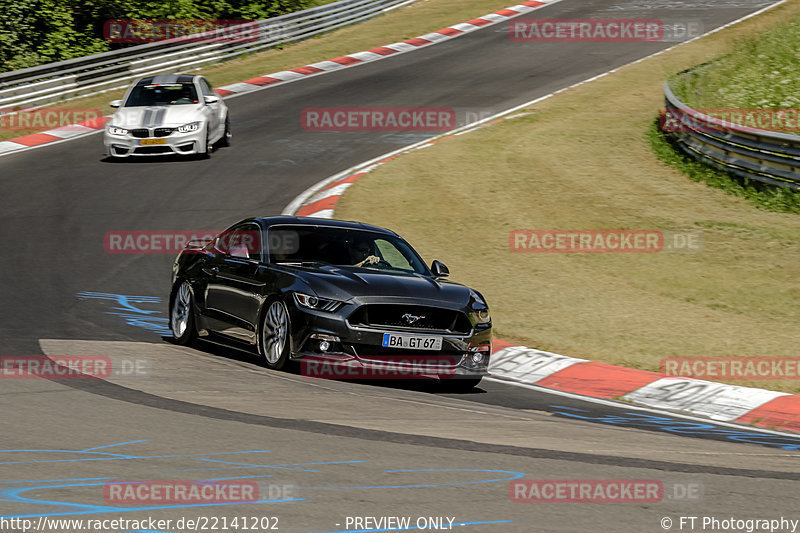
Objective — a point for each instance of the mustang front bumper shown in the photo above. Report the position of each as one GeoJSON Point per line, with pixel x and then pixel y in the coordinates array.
{"type": "Point", "coordinates": [329, 346]}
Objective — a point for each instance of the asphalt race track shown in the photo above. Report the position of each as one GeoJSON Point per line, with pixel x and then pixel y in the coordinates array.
{"type": "Point", "coordinates": [321, 451]}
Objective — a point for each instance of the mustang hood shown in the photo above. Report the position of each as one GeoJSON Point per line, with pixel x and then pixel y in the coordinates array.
{"type": "Point", "coordinates": [155, 117]}
{"type": "Point", "coordinates": [341, 283]}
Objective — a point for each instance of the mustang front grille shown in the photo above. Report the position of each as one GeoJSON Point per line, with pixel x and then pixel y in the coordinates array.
{"type": "Point", "coordinates": [411, 318]}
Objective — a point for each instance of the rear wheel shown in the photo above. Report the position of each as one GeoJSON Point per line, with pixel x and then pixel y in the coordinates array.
{"type": "Point", "coordinates": [273, 343]}
{"type": "Point", "coordinates": [181, 316]}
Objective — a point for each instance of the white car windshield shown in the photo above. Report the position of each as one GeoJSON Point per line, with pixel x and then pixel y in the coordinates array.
{"type": "Point", "coordinates": [161, 95]}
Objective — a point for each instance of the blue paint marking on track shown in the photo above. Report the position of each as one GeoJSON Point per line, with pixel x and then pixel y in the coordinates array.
{"type": "Point", "coordinates": [113, 457]}
{"type": "Point", "coordinates": [680, 427]}
{"type": "Point", "coordinates": [17, 491]}
{"type": "Point", "coordinates": [114, 445]}
{"type": "Point", "coordinates": [132, 314]}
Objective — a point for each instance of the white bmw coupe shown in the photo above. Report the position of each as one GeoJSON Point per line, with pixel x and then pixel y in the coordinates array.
{"type": "Point", "coordinates": [168, 114]}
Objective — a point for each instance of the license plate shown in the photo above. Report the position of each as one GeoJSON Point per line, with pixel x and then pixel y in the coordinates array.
{"type": "Point", "coordinates": [411, 342]}
{"type": "Point", "coordinates": [148, 142]}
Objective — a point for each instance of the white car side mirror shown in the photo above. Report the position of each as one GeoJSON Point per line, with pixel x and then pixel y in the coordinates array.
{"type": "Point", "coordinates": [115, 103]}
{"type": "Point", "coordinates": [211, 99]}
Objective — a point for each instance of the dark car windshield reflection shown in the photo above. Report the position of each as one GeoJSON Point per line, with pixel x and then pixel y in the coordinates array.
{"type": "Point", "coordinates": [342, 247]}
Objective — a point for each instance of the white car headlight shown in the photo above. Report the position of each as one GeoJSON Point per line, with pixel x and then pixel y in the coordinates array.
{"type": "Point", "coordinates": [114, 130]}
{"type": "Point", "coordinates": [188, 128]}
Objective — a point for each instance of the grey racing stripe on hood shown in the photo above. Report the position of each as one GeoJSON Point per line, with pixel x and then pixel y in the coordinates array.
{"type": "Point", "coordinates": [153, 116]}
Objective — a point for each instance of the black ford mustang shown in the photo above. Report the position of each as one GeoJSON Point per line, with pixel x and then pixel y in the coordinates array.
{"type": "Point", "coordinates": [343, 293]}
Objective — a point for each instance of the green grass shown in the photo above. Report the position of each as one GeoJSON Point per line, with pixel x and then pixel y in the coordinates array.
{"type": "Point", "coordinates": [759, 194]}
{"type": "Point", "coordinates": [595, 167]}
{"type": "Point", "coordinates": [760, 71]}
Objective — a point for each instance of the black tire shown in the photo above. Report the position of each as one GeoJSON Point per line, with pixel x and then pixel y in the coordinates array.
{"type": "Point", "coordinates": [460, 385]}
{"type": "Point", "coordinates": [225, 141]}
{"type": "Point", "coordinates": [181, 314]}
{"type": "Point", "coordinates": [274, 335]}
{"type": "Point", "coordinates": [208, 148]}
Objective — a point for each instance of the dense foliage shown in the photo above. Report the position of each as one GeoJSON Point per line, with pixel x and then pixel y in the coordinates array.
{"type": "Point", "coordinates": [33, 32]}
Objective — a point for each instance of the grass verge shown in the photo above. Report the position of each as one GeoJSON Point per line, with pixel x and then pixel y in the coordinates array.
{"type": "Point", "coordinates": [397, 25]}
{"type": "Point", "coordinates": [759, 194]}
{"type": "Point", "coordinates": [594, 167]}
{"type": "Point", "coordinates": [758, 72]}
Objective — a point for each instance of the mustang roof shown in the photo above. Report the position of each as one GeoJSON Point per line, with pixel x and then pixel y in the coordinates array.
{"type": "Point", "coordinates": [310, 221]}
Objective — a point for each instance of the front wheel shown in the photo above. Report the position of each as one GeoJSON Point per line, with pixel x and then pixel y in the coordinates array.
{"type": "Point", "coordinates": [209, 147]}
{"type": "Point", "coordinates": [181, 316]}
{"type": "Point", "coordinates": [273, 345]}
{"type": "Point", "coordinates": [225, 140]}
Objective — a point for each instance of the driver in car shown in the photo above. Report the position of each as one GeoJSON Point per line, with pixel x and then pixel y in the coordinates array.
{"type": "Point", "coordinates": [361, 253]}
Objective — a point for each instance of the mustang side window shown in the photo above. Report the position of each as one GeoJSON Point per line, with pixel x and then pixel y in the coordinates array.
{"type": "Point", "coordinates": [243, 242]}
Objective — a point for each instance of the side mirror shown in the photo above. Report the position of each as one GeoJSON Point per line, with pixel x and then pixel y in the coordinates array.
{"type": "Point", "coordinates": [439, 269]}
{"type": "Point", "coordinates": [115, 103]}
{"type": "Point", "coordinates": [211, 99]}
{"type": "Point", "coordinates": [198, 246]}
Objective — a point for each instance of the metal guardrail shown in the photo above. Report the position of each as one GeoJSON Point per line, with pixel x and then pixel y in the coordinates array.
{"type": "Point", "coordinates": [98, 73]}
{"type": "Point", "coordinates": [766, 156]}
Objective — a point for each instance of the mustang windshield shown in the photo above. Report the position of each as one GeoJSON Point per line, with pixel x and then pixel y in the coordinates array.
{"type": "Point", "coordinates": [342, 247]}
{"type": "Point", "coordinates": [160, 95]}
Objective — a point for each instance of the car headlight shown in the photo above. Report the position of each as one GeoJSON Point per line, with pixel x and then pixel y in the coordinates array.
{"type": "Point", "coordinates": [188, 128]}
{"type": "Point", "coordinates": [480, 316]}
{"type": "Point", "coordinates": [480, 311]}
{"type": "Point", "coordinates": [114, 130]}
{"type": "Point", "coordinates": [316, 303]}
